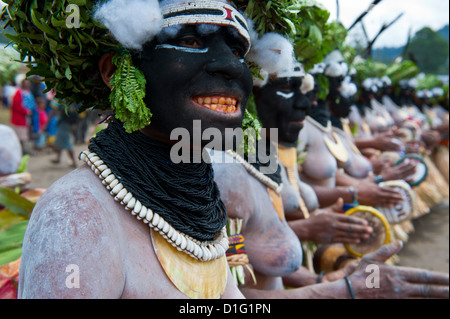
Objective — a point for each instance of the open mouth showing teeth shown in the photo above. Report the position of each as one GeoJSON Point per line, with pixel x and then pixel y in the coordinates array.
{"type": "Point", "coordinates": [222, 104]}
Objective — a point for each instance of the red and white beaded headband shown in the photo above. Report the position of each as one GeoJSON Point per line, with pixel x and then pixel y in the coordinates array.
{"type": "Point", "coordinates": [206, 12]}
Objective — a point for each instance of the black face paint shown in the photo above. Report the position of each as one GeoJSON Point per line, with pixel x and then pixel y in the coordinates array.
{"type": "Point", "coordinates": [189, 66]}
{"type": "Point", "coordinates": [339, 106]}
{"type": "Point", "coordinates": [281, 104]}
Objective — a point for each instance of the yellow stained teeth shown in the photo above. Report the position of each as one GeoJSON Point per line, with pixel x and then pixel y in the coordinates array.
{"type": "Point", "coordinates": [218, 103]}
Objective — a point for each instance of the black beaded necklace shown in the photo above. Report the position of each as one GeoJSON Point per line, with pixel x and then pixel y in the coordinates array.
{"type": "Point", "coordinates": [184, 194]}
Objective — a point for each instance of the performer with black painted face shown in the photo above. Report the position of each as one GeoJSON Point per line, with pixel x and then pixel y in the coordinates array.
{"type": "Point", "coordinates": [265, 203]}
{"type": "Point", "coordinates": [131, 223]}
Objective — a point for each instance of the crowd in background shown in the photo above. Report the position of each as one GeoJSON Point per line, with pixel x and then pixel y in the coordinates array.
{"type": "Point", "coordinates": [42, 123]}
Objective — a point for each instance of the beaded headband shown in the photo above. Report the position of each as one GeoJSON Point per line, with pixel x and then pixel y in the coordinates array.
{"type": "Point", "coordinates": [206, 12]}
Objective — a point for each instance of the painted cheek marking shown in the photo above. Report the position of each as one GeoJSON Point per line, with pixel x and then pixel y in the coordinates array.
{"type": "Point", "coordinates": [286, 96]}
{"type": "Point", "coordinates": [183, 49]}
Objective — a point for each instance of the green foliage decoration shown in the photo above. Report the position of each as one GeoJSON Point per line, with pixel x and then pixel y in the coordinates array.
{"type": "Point", "coordinates": [368, 69]}
{"type": "Point", "coordinates": [402, 70]}
{"type": "Point", "coordinates": [429, 82]}
{"type": "Point", "coordinates": [127, 94]}
{"type": "Point", "coordinates": [304, 22]}
{"type": "Point", "coordinates": [66, 57]}
{"type": "Point", "coordinates": [9, 68]}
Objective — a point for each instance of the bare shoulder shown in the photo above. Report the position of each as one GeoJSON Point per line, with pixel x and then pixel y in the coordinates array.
{"type": "Point", "coordinates": [72, 241]}
{"type": "Point", "coordinates": [235, 185]}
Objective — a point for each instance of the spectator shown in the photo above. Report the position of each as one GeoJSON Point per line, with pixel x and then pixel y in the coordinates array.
{"type": "Point", "coordinates": [41, 136]}
{"type": "Point", "coordinates": [8, 92]}
{"type": "Point", "coordinates": [20, 110]}
{"type": "Point", "coordinates": [66, 118]}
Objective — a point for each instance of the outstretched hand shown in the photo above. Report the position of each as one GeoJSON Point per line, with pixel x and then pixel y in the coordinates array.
{"type": "Point", "coordinates": [374, 279]}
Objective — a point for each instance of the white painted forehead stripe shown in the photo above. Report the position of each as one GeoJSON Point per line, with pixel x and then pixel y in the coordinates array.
{"type": "Point", "coordinates": [183, 49]}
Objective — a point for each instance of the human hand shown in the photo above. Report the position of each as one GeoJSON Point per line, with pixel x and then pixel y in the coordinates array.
{"type": "Point", "coordinates": [430, 137]}
{"type": "Point", "coordinates": [374, 279]}
{"type": "Point", "coordinates": [387, 142]}
{"type": "Point", "coordinates": [371, 194]}
{"type": "Point", "coordinates": [402, 171]}
{"type": "Point", "coordinates": [341, 273]}
{"type": "Point", "coordinates": [328, 227]}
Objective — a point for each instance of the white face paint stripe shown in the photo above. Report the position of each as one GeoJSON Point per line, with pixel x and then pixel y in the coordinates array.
{"type": "Point", "coordinates": [287, 96]}
{"type": "Point", "coordinates": [178, 48]}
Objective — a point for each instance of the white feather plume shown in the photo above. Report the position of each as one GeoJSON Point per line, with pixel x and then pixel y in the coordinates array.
{"type": "Point", "coordinates": [307, 83]}
{"type": "Point", "coordinates": [131, 22]}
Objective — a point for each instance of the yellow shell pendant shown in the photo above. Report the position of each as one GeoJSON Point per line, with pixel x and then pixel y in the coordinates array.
{"type": "Point", "coordinates": [336, 148]}
{"type": "Point", "coordinates": [277, 203]}
{"type": "Point", "coordinates": [196, 279]}
{"type": "Point", "coordinates": [288, 157]}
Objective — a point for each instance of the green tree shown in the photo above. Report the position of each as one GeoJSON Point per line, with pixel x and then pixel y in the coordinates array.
{"type": "Point", "coordinates": [430, 51]}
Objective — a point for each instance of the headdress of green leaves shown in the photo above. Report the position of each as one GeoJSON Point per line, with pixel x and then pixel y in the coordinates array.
{"type": "Point", "coordinates": [304, 22]}
{"type": "Point", "coordinates": [63, 54]}
{"type": "Point", "coordinates": [66, 57]}
{"type": "Point", "coordinates": [402, 70]}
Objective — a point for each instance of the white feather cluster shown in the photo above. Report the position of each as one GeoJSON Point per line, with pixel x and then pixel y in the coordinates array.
{"type": "Point", "coordinates": [333, 69]}
{"type": "Point", "coordinates": [318, 68]}
{"type": "Point", "coordinates": [335, 64]}
{"type": "Point", "coordinates": [334, 56]}
{"type": "Point", "coordinates": [131, 22]}
{"type": "Point", "coordinates": [275, 55]}
{"type": "Point", "coordinates": [307, 83]}
{"type": "Point", "coordinates": [348, 88]}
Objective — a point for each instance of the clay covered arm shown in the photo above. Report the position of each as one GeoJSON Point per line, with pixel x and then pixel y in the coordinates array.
{"type": "Point", "coordinates": [387, 282]}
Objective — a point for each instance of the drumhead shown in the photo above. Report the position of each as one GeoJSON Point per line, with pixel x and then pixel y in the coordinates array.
{"type": "Point", "coordinates": [421, 168]}
{"type": "Point", "coordinates": [404, 210]}
{"type": "Point", "coordinates": [380, 236]}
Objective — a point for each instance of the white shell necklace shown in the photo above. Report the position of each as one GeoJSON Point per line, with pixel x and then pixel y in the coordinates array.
{"type": "Point", "coordinates": [255, 173]}
{"type": "Point", "coordinates": [200, 250]}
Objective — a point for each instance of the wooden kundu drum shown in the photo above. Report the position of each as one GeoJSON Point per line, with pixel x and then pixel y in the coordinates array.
{"type": "Point", "coordinates": [404, 210]}
{"type": "Point", "coordinates": [421, 168]}
{"type": "Point", "coordinates": [332, 257]}
{"type": "Point", "coordinates": [380, 236]}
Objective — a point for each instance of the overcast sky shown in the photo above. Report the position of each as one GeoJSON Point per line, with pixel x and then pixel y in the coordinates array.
{"type": "Point", "coordinates": [417, 14]}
